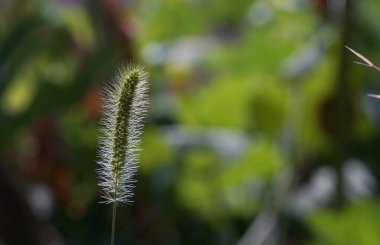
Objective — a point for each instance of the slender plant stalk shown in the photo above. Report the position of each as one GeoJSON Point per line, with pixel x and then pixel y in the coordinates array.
{"type": "Point", "coordinates": [113, 223]}
{"type": "Point", "coordinates": [124, 108]}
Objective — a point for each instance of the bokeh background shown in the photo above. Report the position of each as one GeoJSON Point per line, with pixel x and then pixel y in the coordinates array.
{"type": "Point", "coordinates": [260, 130]}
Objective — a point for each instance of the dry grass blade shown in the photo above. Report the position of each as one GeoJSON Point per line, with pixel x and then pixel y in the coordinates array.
{"type": "Point", "coordinates": [374, 96]}
{"type": "Point", "coordinates": [367, 61]}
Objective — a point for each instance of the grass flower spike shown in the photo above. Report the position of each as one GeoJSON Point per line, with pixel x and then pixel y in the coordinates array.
{"type": "Point", "coordinates": [124, 107]}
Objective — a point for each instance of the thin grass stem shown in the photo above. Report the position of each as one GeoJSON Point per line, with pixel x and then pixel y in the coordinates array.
{"type": "Point", "coordinates": [113, 223]}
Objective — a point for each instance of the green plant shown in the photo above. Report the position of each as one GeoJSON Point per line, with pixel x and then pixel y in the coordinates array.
{"type": "Point", "coordinates": [124, 108]}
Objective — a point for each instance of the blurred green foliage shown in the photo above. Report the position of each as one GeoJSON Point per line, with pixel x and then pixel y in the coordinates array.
{"type": "Point", "coordinates": [247, 103]}
{"type": "Point", "coordinates": [355, 224]}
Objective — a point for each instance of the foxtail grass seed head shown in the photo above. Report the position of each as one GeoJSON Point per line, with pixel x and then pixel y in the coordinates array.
{"type": "Point", "coordinates": [125, 104]}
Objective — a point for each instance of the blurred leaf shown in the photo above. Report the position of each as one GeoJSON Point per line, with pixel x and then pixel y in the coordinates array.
{"type": "Point", "coordinates": [356, 223]}
{"type": "Point", "coordinates": [156, 152]}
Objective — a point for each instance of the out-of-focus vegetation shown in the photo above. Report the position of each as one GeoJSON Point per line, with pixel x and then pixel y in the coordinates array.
{"type": "Point", "coordinates": [259, 131]}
